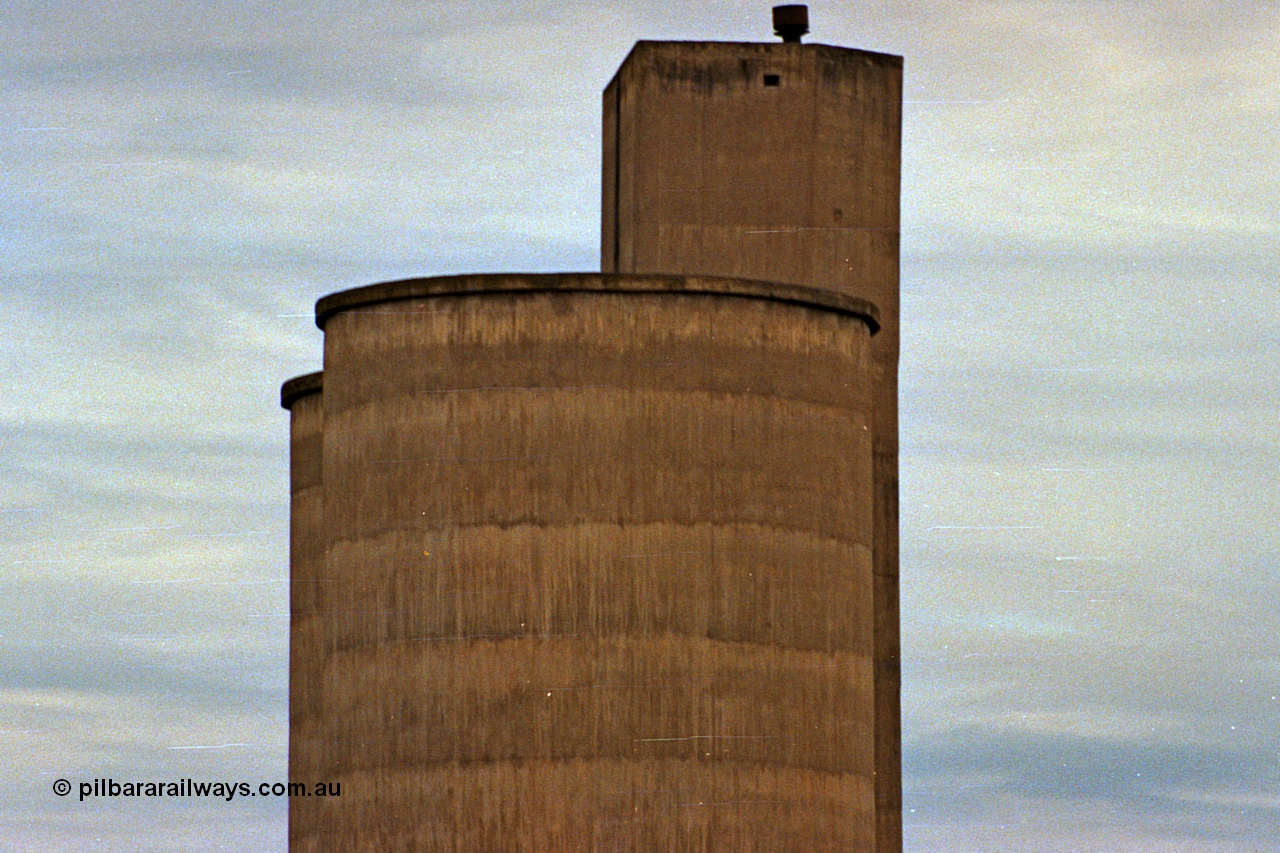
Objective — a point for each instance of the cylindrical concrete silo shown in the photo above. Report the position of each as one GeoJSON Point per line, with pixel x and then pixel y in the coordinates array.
{"type": "Point", "coordinates": [302, 397]}
{"type": "Point", "coordinates": [597, 568]}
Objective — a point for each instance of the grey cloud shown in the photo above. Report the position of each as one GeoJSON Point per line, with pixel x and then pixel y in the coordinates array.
{"type": "Point", "coordinates": [208, 81]}
{"type": "Point", "coordinates": [140, 655]}
{"type": "Point", "coordinates": [85, 465]}
{"type": "Point", "coordinates": [1152, 778]}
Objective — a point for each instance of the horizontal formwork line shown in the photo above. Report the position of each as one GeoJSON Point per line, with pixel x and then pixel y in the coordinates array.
{"type": "Point", "coordinates": [716, 768]}
{"type": "Point", "coordinates": [665, 392]}
{"type": "Point", "coordinates": [490, 589]}
{"type": "Point", "coordinates": [511, 525]}
{"type": "Point", "coordinates": [660, 393]}
{"type": "Point", "coordinates": [399, 643]}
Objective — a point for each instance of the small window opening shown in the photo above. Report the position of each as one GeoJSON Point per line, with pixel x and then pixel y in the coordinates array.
{"type": "Point", "coordinates": [772, 79]}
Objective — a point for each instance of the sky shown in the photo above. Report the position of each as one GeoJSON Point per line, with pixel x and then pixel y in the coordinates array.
{"type": "Point", "coordinates": [1089, 394]}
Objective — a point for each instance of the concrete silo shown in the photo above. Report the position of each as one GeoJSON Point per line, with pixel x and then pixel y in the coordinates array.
{"type": "Point", "coordinates": [608, 561]}
{"type": "Point", "coordinates": [303, 398]}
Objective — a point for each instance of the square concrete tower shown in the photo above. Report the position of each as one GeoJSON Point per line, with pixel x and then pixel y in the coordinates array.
{"type": "Point", "coordinates": [778, 162]}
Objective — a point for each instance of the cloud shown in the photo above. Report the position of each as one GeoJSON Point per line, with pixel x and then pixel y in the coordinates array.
{"type": "Point", "coordinates": [1071, 784]}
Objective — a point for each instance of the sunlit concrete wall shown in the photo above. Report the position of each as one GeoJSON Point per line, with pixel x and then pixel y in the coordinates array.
{"type": "Point", "coordinates": [598, 567]}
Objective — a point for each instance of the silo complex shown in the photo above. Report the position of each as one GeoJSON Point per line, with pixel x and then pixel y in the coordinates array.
{"type": "Point", "coordinates": [607, 561]}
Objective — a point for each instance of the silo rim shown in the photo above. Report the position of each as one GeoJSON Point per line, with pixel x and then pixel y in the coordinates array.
{"type": "Point", "coordinates": [492, 284]}
{"type": "Point", "coordinates": [892, 60]}
{"type": "Point", "coordinates": [301, 386]}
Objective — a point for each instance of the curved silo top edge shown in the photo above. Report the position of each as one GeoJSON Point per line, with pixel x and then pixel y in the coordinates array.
{"type": "Point", "coordinates": [606, 283]}
{"type": "Point", "coordinates": [301, 386]}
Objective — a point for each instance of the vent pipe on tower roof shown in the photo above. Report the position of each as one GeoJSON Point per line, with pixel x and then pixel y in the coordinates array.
{"type": "Point", "coordinates": [790, 22]}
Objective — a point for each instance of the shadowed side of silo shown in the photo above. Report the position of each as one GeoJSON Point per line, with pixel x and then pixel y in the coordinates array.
{"type": "Point", "coordinates": [598, 568]}
{"type": "Point", "coordinates": [302, 396]}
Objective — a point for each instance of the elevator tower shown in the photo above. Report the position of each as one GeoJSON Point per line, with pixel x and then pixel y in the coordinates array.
{"type": "Point", "coordinates": [608, 561]}
{"type": "Point", "coordinates": [778, 162]}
